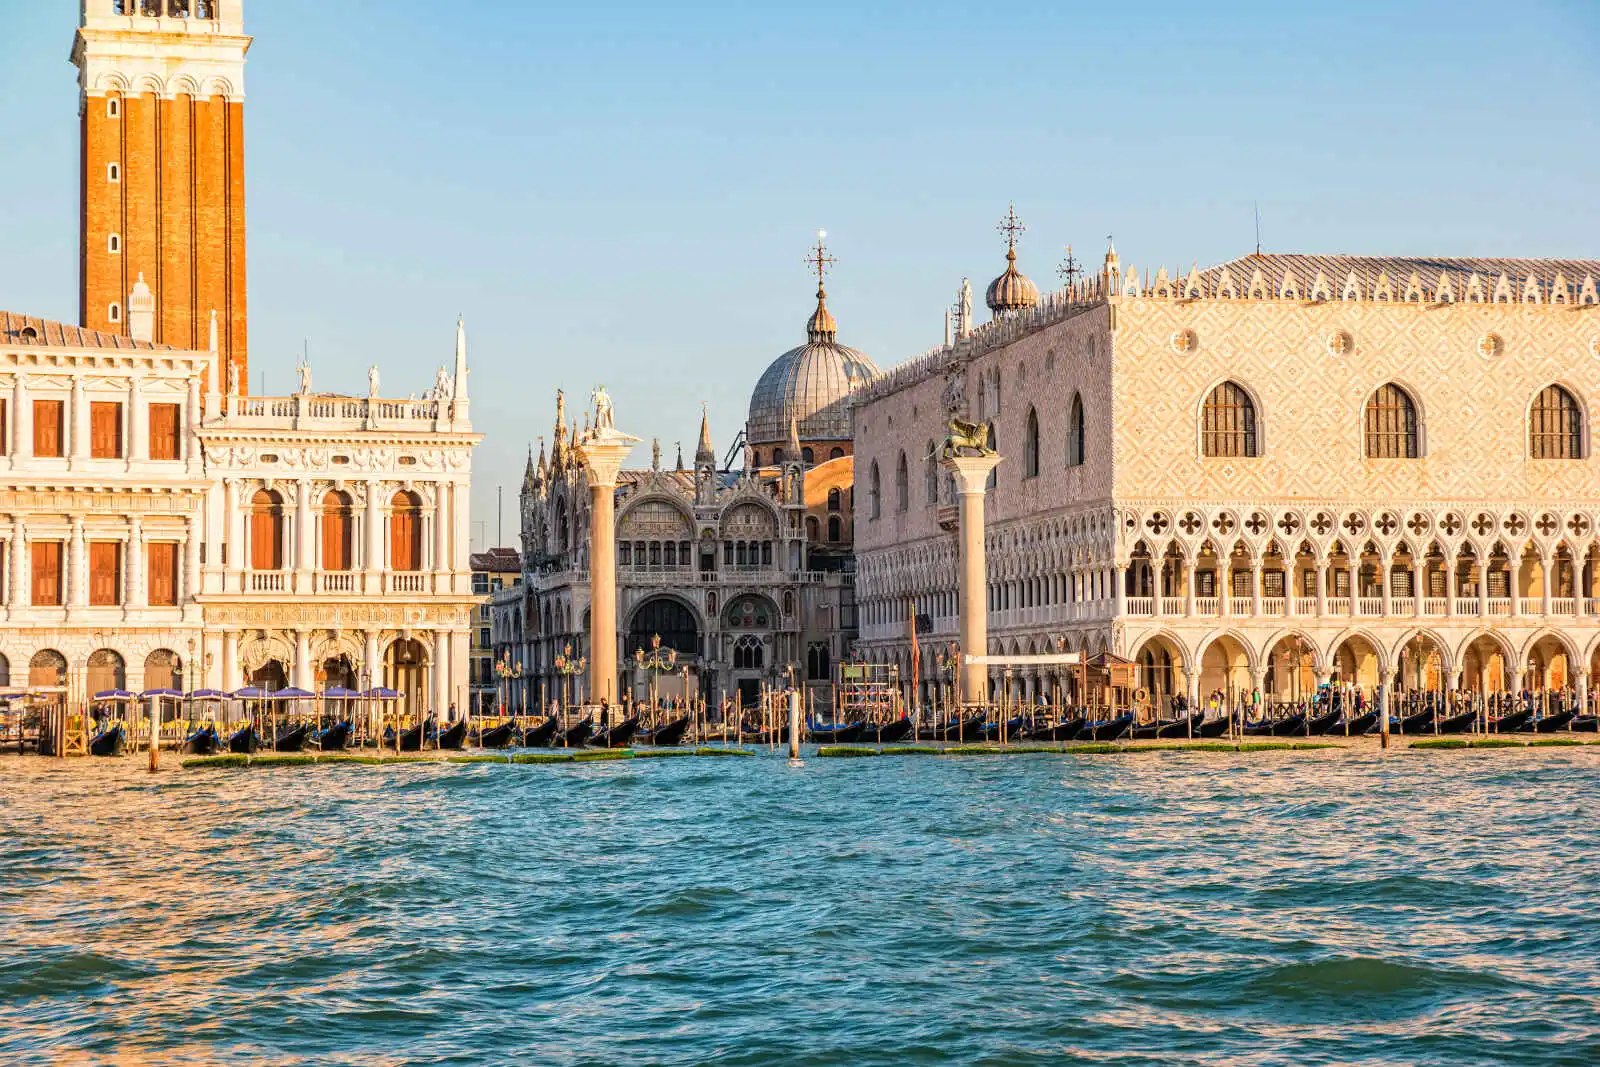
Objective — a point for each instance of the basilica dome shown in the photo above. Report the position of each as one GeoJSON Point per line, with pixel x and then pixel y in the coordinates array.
{"type": "Point", "coordinates": [1013, 290]}
{"type": "Point", "coordinates": [811, 385]}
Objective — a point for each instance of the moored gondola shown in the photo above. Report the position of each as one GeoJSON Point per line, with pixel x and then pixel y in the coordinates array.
{"type": "Point", "coordinates": [835, 733]}
{"type": "Point", "coordinates": [1065, 730]}
{"type": "Point", "coordinates": [1289, 724]}
{"type": "Point", "coordinates": [619, 736]}
{"type": "Point", "coordinates": [667, 734]}
{"type": "Point", "coordinates": [1013, 730]}
{"type": "Point", "coordinates": [1510, 722]}
{"type": "Point", "coordinates": [1418, 723]}
{"type": "Point", "coordinates": [203, 742]}
{"type": "Point", "coordinates": [498, 736]}
{"type": "Point", "coordinates": [293, 739]}
{"type": "Point", "coordinates": [244, 741]}
{"type": "Point", "coordinates": [1457, 724]}
{"type": "Point", "coordinates": [969, 729]}
{"type": "Point", "coordinates": [578, 734]}
{"type": "Point", "coordinates": [1321, 724]}
{"type": "Point", "coordinates": [452, 737]}
{"type": "Point", "coordinates": [888, 733]}
{"type": "Point", "coordinates": [1355, 727]}
{"type": "Point", "coordinates": [1550, 723]}
{"type": "Point", "coordinates": [1107, 730]}
{"type": "Point", "coordinates": [1183, 726]}
{"type": "Point", "coordinates": [1209, 728]}
{"type": "Point", "coordinates": [108, 742]}
{"type": "Point", "coordinates": [333, 738]}
{"type": "Point", "coordinates": [1585, 724]}
{"type": "Point", "coordinates": [540, 736]}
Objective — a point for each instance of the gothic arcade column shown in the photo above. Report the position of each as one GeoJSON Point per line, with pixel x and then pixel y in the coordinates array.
{"type": "Point", "coordinates": [971, 475]}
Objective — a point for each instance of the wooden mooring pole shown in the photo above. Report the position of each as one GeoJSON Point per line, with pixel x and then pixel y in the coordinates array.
{"type": "Point", "coordinates": [794, 726]}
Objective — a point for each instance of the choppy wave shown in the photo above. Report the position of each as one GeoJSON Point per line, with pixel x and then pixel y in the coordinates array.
{"type": "Point", "coordinates": [1183, 909]}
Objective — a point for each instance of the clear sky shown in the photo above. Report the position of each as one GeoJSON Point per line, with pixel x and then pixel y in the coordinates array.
{"type": "Point", "coordinates": [624, 192]}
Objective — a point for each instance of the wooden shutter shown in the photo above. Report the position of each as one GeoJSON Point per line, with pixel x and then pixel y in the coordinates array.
{"type": "Point", "coordinates": [47, 427]}
{"type": "Point", "coordinates": [266, 539]}
{"type": "Point", "coordinates": [404, 546]}
{"type": "Point", "coordinates": [47, 573]}
{"type": "Point", "coordinates": [105, 559]}
{"type": "Point", "coordinates": [5, 428]}
{"type": "Point", "coordinates": [105, 430]}
{"type": "Point", "coordinates": [163, 431]}
{"type": "Point", "coordinates": [335, 538]}
{"type": "Point", "coordinates": [163, 573]}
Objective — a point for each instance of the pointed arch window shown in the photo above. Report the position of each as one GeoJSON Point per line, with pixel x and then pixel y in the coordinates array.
{"type": "Point", "coordinates": [902, 485]}
{"type": "Point", "coordinates": [835, 499]}
{"type": "Point", "coordinates": [1555, 425]}
{"type": "Point", "coordinates": [1228, 423]}
{"type": "Point", "coordinates": [874, 491]}
{"type": "Point", "coordinates": [1391, 423]}
{"type": "Point", "coordinates": [1030, 446]}
{"type": "Point", "coordinates": [930, 476]}
{"type": "Point", "coordinates": [1075, 432]}
{"type": "Point", "coordinates": [994, 446]}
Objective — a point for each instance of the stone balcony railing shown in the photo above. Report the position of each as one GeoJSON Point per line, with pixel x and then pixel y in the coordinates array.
{"type": "Point", "coordinates": [335, 583]}
{"type": "Point", "coordinates": [334, 413]}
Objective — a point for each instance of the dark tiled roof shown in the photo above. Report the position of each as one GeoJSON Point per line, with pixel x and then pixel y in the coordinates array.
{"type": "Point", "coordinates": [496, 561]}
{"type": "Point", "coordinates": [13, 331]}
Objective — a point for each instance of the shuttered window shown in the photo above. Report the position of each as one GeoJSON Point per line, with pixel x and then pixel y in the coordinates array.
{"type": "Point", "coordinates": [162, 585]}
{"type": "Point", "coordinates": [105, 430]}
{"type": "Point", "coordinates": [405, 533]}
{"type": "Point", "coordinates": [266, 532]}
{"type": "Point", "coordinates": [5, 427]}
{"type": "Point", "coordinates": [164, 431]}
{"type": "Point", "coordinates": [46, 573]}
{"type": "Point", "coordinates": [105, 572]}
{"type": "Point", "coordinates": [47, 427]}
{"type": "Point", "coordinates": [336, 526]}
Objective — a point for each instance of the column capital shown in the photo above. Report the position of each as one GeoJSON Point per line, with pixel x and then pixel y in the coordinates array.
{"type": "Point", "coordinates": [602, 456]}
{"type": "Point", "coordinates": [971, 472]}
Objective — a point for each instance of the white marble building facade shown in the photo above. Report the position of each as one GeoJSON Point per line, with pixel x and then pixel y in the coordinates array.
{"type": "Point", "coordinates": [1279, 471]}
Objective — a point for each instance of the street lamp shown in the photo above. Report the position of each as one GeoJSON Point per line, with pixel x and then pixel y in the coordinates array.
{"type": "Point", "coordinates": [656, 663]}
{"type": "Point", "coordinates": [569, 668]}
{"type": "Point", "coordinates": [949, 663]}
{"type": "Point", "coordinates": [505, 670]}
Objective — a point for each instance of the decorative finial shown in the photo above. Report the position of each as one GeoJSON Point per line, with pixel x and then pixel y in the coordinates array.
{"type": "Point", "coordinates": [820, 260]}
{"type": "Point", "coordinates": [821, 327]}
{"type": "Point", "coordinates": [1012, 227]}
{"type": "Point", "coordinates": [1070, 269]}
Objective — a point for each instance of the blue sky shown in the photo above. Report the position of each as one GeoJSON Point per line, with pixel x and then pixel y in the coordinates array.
{"type": "Point", "coordinates": [625, 192]}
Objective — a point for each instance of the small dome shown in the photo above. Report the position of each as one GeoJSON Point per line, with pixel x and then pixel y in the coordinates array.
{"type": "Point", "coordinates": [809, 386]}
{"type": "Point", "coordinates": [1013, 290]}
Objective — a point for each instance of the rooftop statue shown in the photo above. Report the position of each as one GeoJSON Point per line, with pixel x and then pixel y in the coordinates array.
{"type": "Point", "coordinates": [602, 409]}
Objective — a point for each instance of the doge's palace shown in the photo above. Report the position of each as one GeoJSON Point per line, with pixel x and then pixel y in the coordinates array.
{"type": "Point", "coordinates": [1281, 471]}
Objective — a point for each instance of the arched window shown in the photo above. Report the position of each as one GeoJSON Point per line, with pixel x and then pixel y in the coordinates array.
{"type": "Point", "coordinates": [835, 529]}
{"type": "Point", "coordinates": [777, 457]}
{"type": "Point", "coordinates": [1555, 425]}
{"type": "Point", "coordinates": [47, 668]}
{"type": "Point", "coordinates": [834, 499]}
{"type": "Point", "coordinates": [266, 531]}
{"type": "Point", "coordinates": [902, 485]}
{"type": "Point", "coordinates": [1075, 432]}
{"type": "Point", "coordinates": [747, 653]}
{"type": "Point", "coordinates": [817, 661]}
{"type": "Point", "coordinates": [1228, 423]}
{"type": "Point", "coordinates": [807, 456]}
{"type": "Point", "coordinates": [336, 531]}
{"type": "Point", "coordinates": [163, 670]}
{"type": "Point", "coordinates": [405, 532]}
{"type": "Point", "coordinates": [874, 492]}
{"type": "Point", "coordinates": [813, 529]}
{"type": "Point", "coordinates": [930, 476]}
{"type": "Point", "coordinates": [1030, 446]}
{"type": "Point", "coordinates": [755, 457]}
{"type": "Point", "coordinates": [994, 446]}
{"type": "Point", "coordinates": [106, 671]}
{"type": "Point", "coordinates": [1391, 424]}
{"type": "Point", "coordinates": [835, 453]}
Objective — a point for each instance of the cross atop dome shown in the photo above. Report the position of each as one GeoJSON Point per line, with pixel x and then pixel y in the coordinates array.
{"type": "Point", "coordinates": [821, 326]}
{"type": "Point", "coordinates": [1012, 291]}
{"type": "Point", "coordinates": [1012, 227]}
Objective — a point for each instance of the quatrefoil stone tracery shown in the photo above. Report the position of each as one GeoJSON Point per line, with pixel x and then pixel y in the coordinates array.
{"type": "Point", "coordinates": [1515, 524]}
{"type": "Point", "coordinates": [1256, 523]}
{"type": "Point", "coordinates": [1547, 524]}
{"type": "Point", "coordinates": [1289, 524]}
{"type": "Point", "coordinates": [1190, 523]}
{"type": "Point", "coordinates": [1387, 524]}
{"type": "Point", "coordinates": [1223, 524]}
{"type": "Point", "coordinates": [1322, 523]}
{"type": "Point", "coordinates": [1451, 524]}
{"type": "Point", "coordinates": [1419, 524]}
{"type": "Point", "coordinates": [1482, 524]}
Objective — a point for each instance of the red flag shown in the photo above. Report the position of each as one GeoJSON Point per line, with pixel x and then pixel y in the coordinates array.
{"type": "Point", "coordinates": [916, 649]}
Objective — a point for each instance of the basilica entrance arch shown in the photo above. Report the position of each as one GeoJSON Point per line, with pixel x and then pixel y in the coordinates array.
{"type": "Point", "coordinates": [668, 618]}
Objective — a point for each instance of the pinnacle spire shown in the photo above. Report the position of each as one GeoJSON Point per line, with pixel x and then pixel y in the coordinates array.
{"type": "Point", "coordinates": [793, 445]}
{"type": "Point", "coordinates": [705, 453]}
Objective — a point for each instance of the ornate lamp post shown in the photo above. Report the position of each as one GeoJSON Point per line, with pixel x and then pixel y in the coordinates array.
{"type": "Point", "coordinates": [505, 671]}
{"type": "Point", "coordinates": [656, 663]}
{"type": "Point", "coordinates": [949, 664]}
{"type": "Point", "coordinates": [569, 668]}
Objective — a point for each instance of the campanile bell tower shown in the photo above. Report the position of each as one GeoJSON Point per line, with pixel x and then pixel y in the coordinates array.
{"type": "Point", "coordinates": [161, 95]}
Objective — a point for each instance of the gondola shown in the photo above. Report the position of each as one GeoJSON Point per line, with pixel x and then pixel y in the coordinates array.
{"type": "Point", "coordinates": [578, 734]}
{"type": "Point", "coordinates": [1322, 724]}
{"type": "Point", "coordinates": [619, 736]}
{"type": "Point", "coordinates": [293, 739]}
{"type": "Point", "coordinates": [1212, 727]}
{"type": "Point", "coordinates": [1510, 722]}
{"type": "Point", "coordinates": [836, 733]}
{"type": "Point", "coordinates": [1284, 727]}
{"type": "Point", "coordinates": [1418, 723]}
{"type": "Point", "coordinates": [333, 738]}
{"type": "Point", "coordinates": [540, 736]}
{"type": "Point", "coordinates": [1458, 724]}
{"type": "Point", "coordinates": [107, 742]}
{"type": "Point", "coordinates": [453, 736]}
{"type": "Point", "coordinates": [244, 740]}
{"type": "Point", "coordinates": [1061, 731]}
{"type": "Point", "coordinates": [1013, 730]}
{"type": "Point", "coordinates": [1357, 726]}
{"type": "Point", "coordinates": [1550, 723]}
{"type": "Point", "coordinates": [411, 739]}
{"type": "Point", "coordinates": [498, 737]}
{"type": "Point", "coordinates": [1109, 730]}
{"type": "Point", "coordinates": [960, 730]}
{"type": "Point", "coordinates": [888, 733]}
{"type": "Point", "coordinates": [670, 733]}
{"type": "Point", "coordinates": [775, 736]}
{"type": "Point", "coordinates": [203, 742]}
{"type": "Point", "coordinates": [1183, 726]}
{"type": "Point", "coordinates": [1585, 724]}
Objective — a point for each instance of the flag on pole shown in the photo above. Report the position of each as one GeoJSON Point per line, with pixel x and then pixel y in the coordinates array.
{"type": "Point", "coordinates": [916, 649]}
